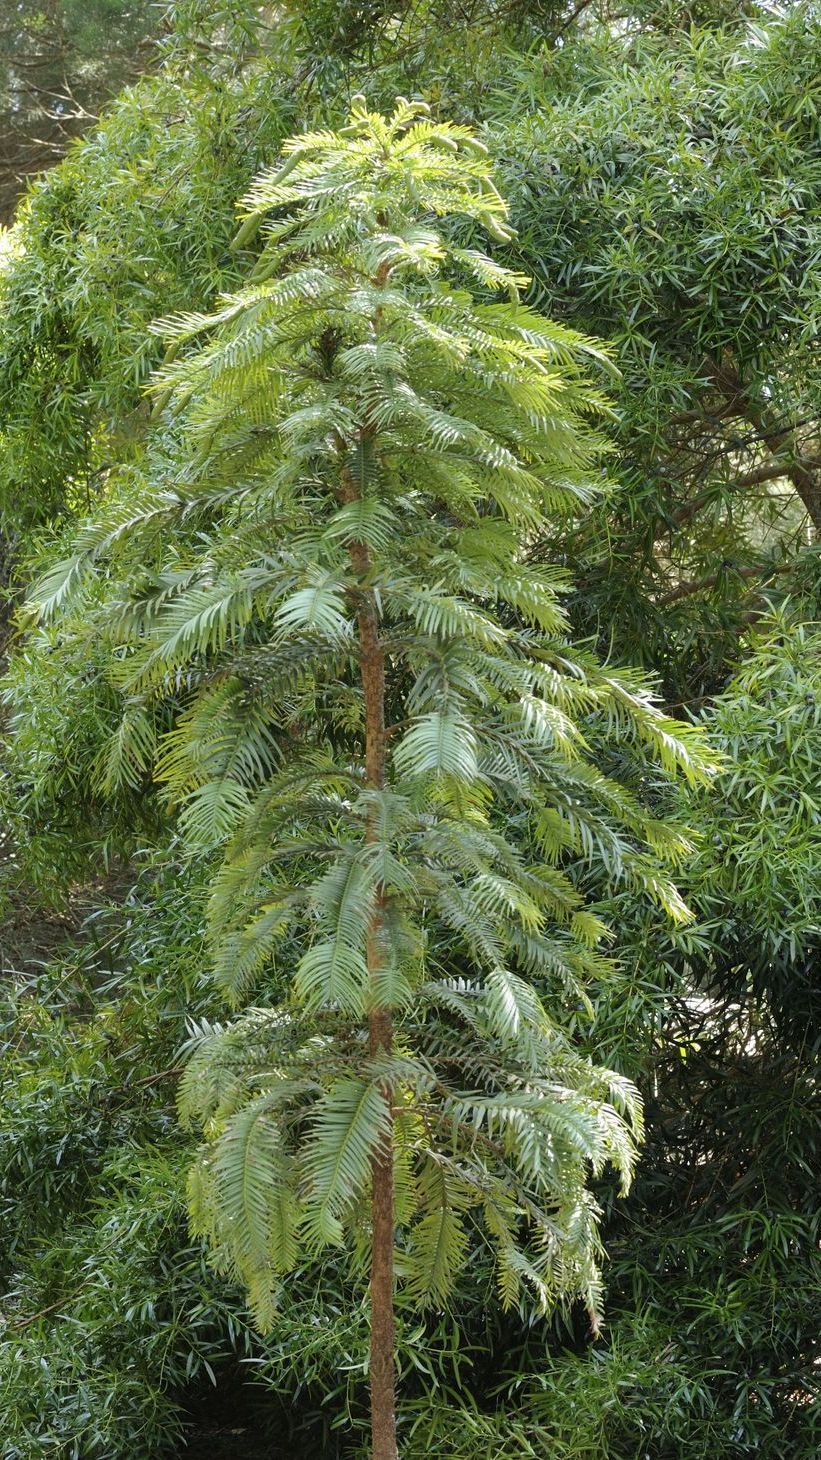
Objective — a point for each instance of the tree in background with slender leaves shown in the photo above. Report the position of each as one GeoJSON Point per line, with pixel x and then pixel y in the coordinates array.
{"type": "Point", "coordinates": [665, 191]}
{"type": "Point", "coordinates": [376, 713]}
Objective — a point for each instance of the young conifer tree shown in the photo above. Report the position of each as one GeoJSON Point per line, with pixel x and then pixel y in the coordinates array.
{"type": "Point", "coordinates": [325, 582]}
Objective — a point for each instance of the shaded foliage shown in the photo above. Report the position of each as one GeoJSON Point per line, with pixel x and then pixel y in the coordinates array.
{"type": "Point", "coordinates": [60, 61]}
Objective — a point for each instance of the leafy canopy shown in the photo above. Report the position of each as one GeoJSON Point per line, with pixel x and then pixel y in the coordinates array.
{"type": "Point", "coordinates": [361, 444]}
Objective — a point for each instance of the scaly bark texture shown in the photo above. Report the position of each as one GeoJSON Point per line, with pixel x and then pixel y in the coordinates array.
{"type": "Point", "coordinates": [382, 1364]}
{"type": "Point", "coordinates": [380, 1025]}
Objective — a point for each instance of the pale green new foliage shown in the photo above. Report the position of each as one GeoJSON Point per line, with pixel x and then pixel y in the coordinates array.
{"type": "Point", "coordinates": [359, 433]}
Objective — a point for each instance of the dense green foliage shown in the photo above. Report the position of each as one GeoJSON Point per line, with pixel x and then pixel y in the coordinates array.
{"type": "Point", "coordinates": [669, 205]}
{"type": "Point", "coordinates": [664, 187]}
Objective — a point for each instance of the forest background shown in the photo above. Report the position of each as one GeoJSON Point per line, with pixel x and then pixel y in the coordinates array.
{"type": "Point", "coordinates": [663, 164]}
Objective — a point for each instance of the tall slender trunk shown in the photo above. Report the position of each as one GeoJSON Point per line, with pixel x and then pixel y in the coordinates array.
{"type": "Point", "coordinates": [380, 1029]}
{"type": "Point", "coordinates": [382, 1364]}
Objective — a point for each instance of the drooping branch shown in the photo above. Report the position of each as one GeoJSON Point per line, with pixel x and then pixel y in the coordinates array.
{"type": "Point", "coordinates": [769, 472]}
{"type": "Point", "coordinates": [791, 463]}
{"type": "Point", "coordinates": [702, 585]}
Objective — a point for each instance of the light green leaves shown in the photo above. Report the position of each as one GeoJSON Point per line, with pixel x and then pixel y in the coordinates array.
{"type": "Point", "coordinates": [57, 586]}
{"type": "Point", "coordinates": [244, 1191]}
{"type": "Point", "coordinates": [242, 954]}
{"type": "Point", "coordinates": [241, 1198]}
{"type": "Point", "coordinates": [438, 745]}
{"type": "Point", "coordinates": [352, 1119]}
{"type": "Point", "coordinates": [332, 975]}
{"type": "Point", "coordinates": [318, 609]}
{"type": "Point", "coordinates": [446, 616]}
{"type": "Point", "coordinates": [434, 169]}
{"type": "Point", "coordinates": [438, 1240]}
{"type": "Point", "coordinates": [367, 520]}
{"type": "Point", "coordinates": [494, 1122]}
{"type": "Point", "coordinates": [512, 1004]}
{"type": "Point", "coordinates": [373, 460]}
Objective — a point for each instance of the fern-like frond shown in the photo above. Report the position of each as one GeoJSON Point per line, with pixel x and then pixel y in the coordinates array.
{"type": "Point", "coordinates": [320, 603]}
{"type": "Point", "coordinates": [438, 745]}
{"type": "Point", "coordinates": [351, 1121]}
{"type": "Point", "coordinates": [242, 955]}
{"type": "Point", "coordinates": [332, 975]}
{"type": "Point", "coordinates": [438, 1242]}
{"type": "Point", "coordinates": [245, 1205]}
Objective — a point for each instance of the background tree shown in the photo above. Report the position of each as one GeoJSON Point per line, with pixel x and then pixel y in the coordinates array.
{"type": "Point", "coordinates": [661, 208]}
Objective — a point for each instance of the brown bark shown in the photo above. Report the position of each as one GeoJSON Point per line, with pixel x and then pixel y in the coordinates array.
{"type": "Point", "coordinates": [380, 1029]}
{"type": "Point", "coordinates": [382, 1363]}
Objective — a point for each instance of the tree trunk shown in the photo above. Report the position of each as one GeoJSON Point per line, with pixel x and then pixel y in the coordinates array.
{"type": "Point", "coordinates": [382, 1364]}
{"type": "Point", "coordinates": [380, 1030]}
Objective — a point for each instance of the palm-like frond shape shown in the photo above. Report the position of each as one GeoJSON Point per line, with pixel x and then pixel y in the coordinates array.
{"type": "Point", "coordinates": [351, 1121]}
{"type": "Point", "coordinates": [500, 1123]}
{"type": "Point", "coordinates": [242, 1202]}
